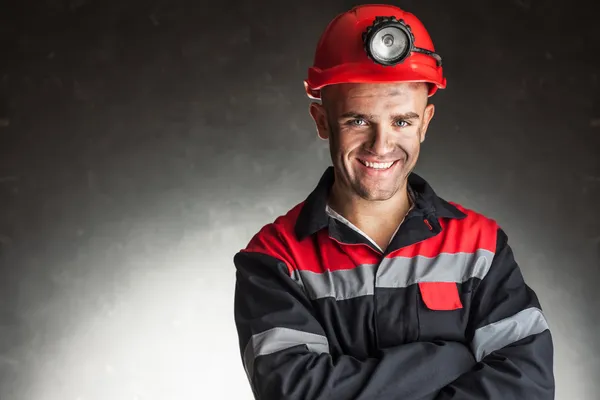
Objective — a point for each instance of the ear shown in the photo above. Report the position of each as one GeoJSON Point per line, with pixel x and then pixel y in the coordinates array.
{"type": "Point", "coordinates": [319, 115]}
{"type": "Point", "coordinates": [427, 116]}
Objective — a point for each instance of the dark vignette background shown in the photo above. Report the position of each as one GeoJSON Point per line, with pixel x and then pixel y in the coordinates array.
{"type": "Point", "coordinates": [142, 143]}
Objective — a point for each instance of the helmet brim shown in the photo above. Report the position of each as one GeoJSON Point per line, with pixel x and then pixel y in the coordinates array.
{"type": "Point", "coordinates": [357, 73]}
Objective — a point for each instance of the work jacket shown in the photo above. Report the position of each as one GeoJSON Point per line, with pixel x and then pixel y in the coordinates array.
{"type": "Point", "coordinates": [442, 313]}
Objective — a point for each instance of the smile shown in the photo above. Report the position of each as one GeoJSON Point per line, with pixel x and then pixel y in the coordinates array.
{"type": "Point", "coordinates": [380, 166]}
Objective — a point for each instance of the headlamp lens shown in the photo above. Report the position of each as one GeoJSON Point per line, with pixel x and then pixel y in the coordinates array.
{"type": "Point", "coordinates": [389, 44]}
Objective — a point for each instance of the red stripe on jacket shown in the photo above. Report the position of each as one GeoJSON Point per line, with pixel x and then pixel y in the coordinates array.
{"type": "Point", "coordinates": [320, 253]}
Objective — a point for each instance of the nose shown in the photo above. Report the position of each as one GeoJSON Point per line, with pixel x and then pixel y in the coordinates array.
{"type": "Point", "coordinates": [380, 141]}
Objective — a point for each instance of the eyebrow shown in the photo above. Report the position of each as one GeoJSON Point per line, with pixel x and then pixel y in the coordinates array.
{"type": "Point", "coordinates": [355, 115]}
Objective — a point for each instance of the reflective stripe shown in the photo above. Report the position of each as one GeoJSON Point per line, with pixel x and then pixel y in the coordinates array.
{"type": "Point", "coordinates": [400, 272]}
{"type": "Point", "coordinates": [500, 334]}
{"type": "Point", "coordinates": [277, 339]}
{"type": "Point", "coordinates": [341, 284]}
{"type": "Point", "coordinates": [396, 272]}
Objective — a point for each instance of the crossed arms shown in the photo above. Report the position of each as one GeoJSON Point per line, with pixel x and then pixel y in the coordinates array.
{"type": "Point", "coordinates": [509, 354]}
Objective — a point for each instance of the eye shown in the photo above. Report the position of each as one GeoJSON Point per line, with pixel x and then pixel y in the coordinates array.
{"type": "Point", "coordinates": [357, 122]}
{"type": "Point", "coordinates": [402, 123]}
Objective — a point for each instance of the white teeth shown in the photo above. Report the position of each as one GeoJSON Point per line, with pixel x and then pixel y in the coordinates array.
{"type": "Point", "coordinates": [378, 165]}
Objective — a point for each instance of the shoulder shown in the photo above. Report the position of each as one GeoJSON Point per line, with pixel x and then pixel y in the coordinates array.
{"type": "Point", "coordinates": [475, 227]}
{"type": "Point", "coordinates": [277, 238]}
{"type": "Point", "coordinates": [475, 219]}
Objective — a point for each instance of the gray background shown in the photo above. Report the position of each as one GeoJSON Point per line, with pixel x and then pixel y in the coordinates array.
{"type": "Point", "coordinates": [143, 143]}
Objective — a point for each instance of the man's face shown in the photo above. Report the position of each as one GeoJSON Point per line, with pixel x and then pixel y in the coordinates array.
{"type": "Point", "coordinates": [375, 133]}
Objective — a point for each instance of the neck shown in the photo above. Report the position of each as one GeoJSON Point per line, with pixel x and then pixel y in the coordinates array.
{"type": "Point", "coordinates": [366, 214]}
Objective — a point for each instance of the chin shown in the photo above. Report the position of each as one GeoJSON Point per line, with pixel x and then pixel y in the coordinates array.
{"type": "Point", "coordinates": [374, 193]}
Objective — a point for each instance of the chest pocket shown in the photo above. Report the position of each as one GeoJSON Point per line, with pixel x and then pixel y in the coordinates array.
{"type": "Point", "coordinates": [442, 310]}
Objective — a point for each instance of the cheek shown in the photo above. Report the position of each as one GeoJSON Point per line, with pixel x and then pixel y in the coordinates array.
{"type": "Point", "coordinates": [347, 143]}
{"type": "Point", "coordinates": [410, 142]}
{"type": "Point", "coordinates": [414, 149]}
{"type": "Point", "coordinates": [339, 149]}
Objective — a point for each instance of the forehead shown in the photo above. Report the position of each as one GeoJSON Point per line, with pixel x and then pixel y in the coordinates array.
{"type": "Point", "coordinates": [376, 94]}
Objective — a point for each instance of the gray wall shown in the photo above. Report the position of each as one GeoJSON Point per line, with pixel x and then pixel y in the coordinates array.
{"type": "Point", "coordinates": [143, 143]}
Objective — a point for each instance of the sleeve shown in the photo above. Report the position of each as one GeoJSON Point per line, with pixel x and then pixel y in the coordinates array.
{"type": "Point", "coordinates": [285, 350]}
{"type": "Point", "coordinates": [509, 337]}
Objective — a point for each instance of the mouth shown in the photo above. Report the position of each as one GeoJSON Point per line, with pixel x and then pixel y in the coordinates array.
{"type": "Point", "coordinates": [378, 166]}
{"type": "Point", "coordinates": [377, 169]}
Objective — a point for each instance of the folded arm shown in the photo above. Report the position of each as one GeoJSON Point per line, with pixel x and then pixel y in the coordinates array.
{"type": "Point", "coordinates": [285, 350]}
{"type": "Point", "coordinates": [509, 338]}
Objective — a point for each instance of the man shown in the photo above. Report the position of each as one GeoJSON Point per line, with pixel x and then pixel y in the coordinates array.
{"type": "Point", "coordinates": [374, 287]}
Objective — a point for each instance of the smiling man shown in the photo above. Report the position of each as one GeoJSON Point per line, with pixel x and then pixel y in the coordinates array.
{"type": "Point", "coordinates": [374, 287]}
{"type": "Point", "coordinates": [375, 132]}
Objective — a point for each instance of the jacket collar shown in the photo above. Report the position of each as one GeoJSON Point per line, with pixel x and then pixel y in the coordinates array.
{"type": "Point", "coordinates": [313, 216]}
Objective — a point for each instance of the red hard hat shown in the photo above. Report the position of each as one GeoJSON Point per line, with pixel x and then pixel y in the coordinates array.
{"type": "Point", "coordinates": [344, 56]}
